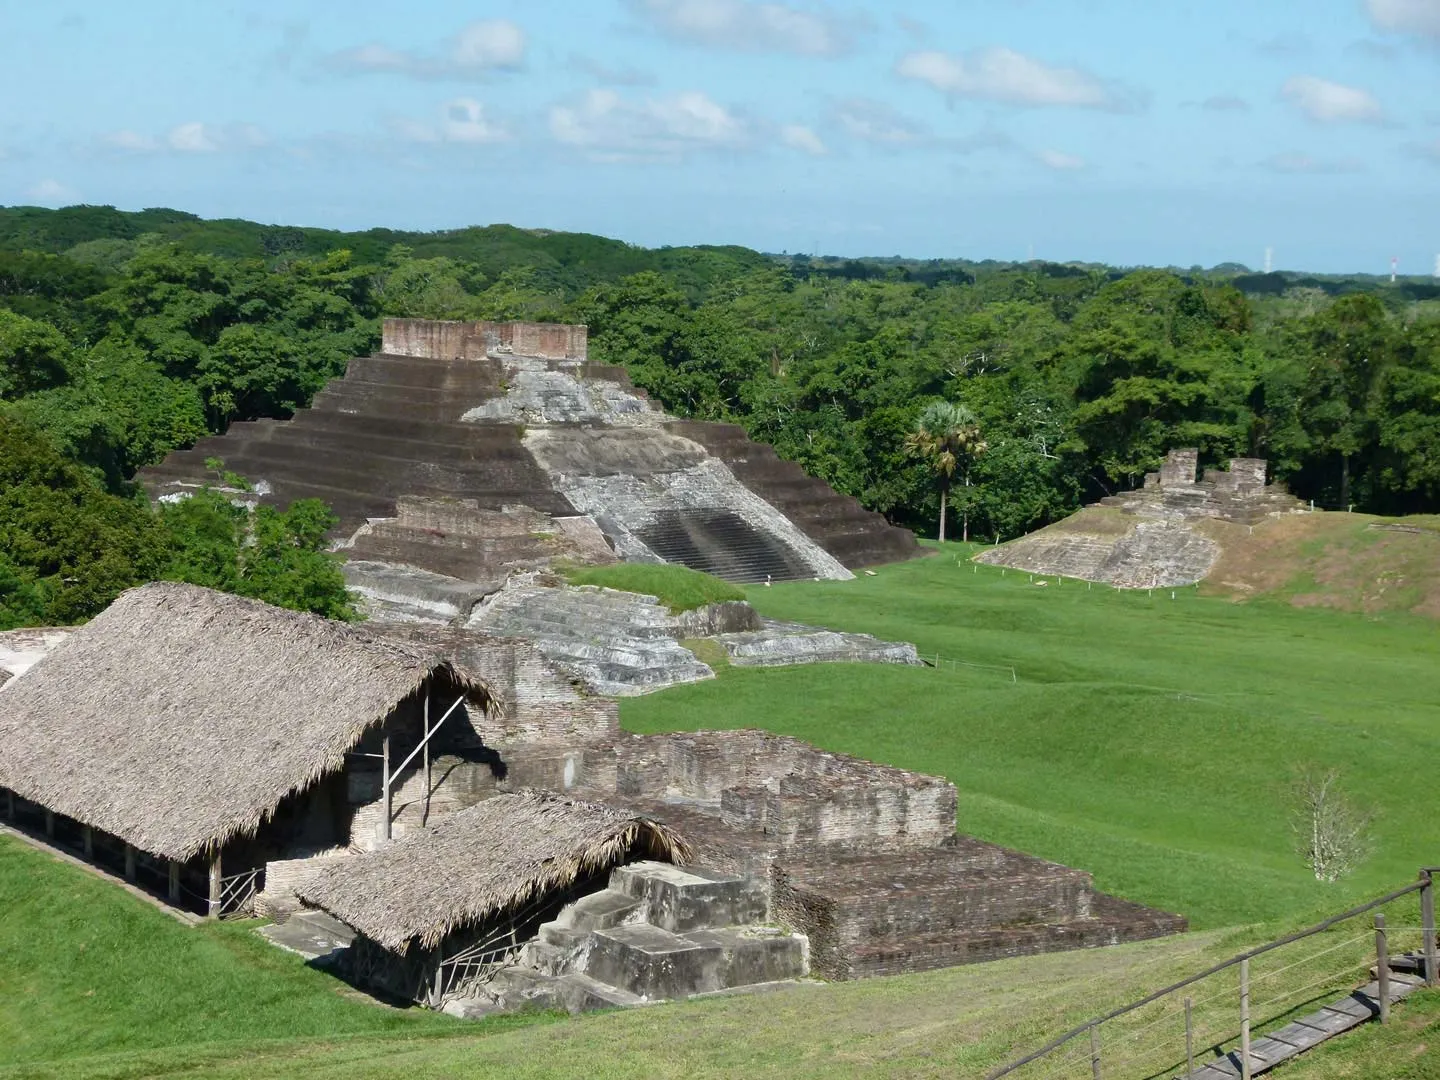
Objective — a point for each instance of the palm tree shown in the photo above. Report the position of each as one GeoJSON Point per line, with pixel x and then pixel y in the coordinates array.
{"type": "Point", "coordinates": [947, 436]}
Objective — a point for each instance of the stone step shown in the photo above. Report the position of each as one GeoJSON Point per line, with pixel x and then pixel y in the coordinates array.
{"type": "Point", "coordinates": [656, 964]}
{"type": "Point", "coordinates": [682, 900]}
{"type": "Point", "coordinates": [599, 911]}
{"type": "Point", "coordinates": [582, 993]}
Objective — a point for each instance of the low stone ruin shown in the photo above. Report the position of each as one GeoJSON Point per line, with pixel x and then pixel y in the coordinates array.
{"type": "Point", "coordinates": [1155, 537]}
{"type": "Point", "coordinates": [860, 860]}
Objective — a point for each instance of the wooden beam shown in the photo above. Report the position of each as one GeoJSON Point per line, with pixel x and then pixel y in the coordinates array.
{"type": "Point", "coordinates": [215, 887]}
{"type": "Point", "coordinates": [129, 863]}
{"type": "Point", "coordinates": [10, 804]}
{"type": "Point", "coordinates": [88, 841]}
{"type": "Point", "coordinates": [385, 783]}
{"type": "Point", "coordinates": [174, 882]}
{"type": "Point", "coordinates": [50, 824]}
{"type": "Point", "coordinates": [425, 719]}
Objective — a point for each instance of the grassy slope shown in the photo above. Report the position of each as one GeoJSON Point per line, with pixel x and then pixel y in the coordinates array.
{"type": "Point", "coordinates": [100, 984]}
{"type": "Point", "coordinates": [86, 967]}
{"type": "Point", "coordinates": [679, 587]}
{"type": "Point", "coordinates": [1147, 739]}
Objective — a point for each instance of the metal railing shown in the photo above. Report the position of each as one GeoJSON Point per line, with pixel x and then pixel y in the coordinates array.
{"type": "Point", "coordinates": [1093, 1048]}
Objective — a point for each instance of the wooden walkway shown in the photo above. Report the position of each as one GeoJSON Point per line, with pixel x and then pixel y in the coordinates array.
{"type": "Point", "coordinates": [1296, 1037]}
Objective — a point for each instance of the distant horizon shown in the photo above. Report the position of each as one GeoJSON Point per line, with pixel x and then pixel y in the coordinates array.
{"type": "Point", "coordinates": [876, 256]}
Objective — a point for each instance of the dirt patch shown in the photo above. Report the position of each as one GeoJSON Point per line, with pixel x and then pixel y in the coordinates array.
{"type": "Point", "coordinates": [1350, 562]}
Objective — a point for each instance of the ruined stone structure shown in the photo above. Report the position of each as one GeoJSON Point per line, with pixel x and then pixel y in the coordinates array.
{"type": "Point", "coordinates": [1165, 534]}
{"type": "Point", "coordinates": [464, 451]}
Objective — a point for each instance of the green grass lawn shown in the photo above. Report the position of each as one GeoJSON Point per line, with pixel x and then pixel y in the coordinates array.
{"type": "Point", "coordinates": [1145, 738]}
{"type": "Point", "coordinates": [1150, 740]}
{"type": "Point", "coordinates": [678, 587]}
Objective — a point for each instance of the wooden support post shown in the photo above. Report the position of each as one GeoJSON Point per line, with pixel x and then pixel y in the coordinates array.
{"type": "Point", "coordinates": [129, 863]}
{"type": "Point", "coordinates": [385, 783]}
{"type": "Point", "coordinates": [10, 804]}
{"type": "Point", "coordinates": [1382, 967]}
{"type": "Point", "coordinates": [425, 719]}
{"type": "Point", "coordinates": [87, 841]}
{"type": "Point", "coordinates": [1245, 1020]}
{"type": "Point", "coordinates": [1095, 1052]}
{"type": "Point", "coordinates": [174, 892]}
{"type": "Point", "coordinates": [215, 887]}
{"type": "Point", "coordinates": [1427, 923]}
{"type": "Point", "coordinates": [1189, 1040]}
{"type": "Point", "coordinates": [50, 824]}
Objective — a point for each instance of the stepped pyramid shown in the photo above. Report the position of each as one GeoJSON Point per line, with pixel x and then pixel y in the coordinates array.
{"type": "Point", "coordinates": [464, 451]}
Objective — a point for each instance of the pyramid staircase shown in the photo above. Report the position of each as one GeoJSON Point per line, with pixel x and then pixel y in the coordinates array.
{"type": "Point", "coordinates": [392, 427]}
{"type": "Point", "coordinates": [657, 933]}
{"type": "Point", "coordinates": [838, 523]}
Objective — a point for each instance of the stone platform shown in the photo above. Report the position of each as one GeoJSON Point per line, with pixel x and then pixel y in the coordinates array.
{"type": "Point", "coordinates": [1157, 537]}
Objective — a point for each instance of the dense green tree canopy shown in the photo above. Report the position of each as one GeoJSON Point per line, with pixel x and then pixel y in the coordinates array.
{"type": "Point", "coordinates": [123, 336]}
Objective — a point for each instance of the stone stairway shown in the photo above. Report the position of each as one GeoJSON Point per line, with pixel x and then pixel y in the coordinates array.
{"type": "Point", "coordinates": [838, 523]}
{"type": "Point", "coordinates": [658, 932]}
{"type": "Point", "coordinates": [721, 543]}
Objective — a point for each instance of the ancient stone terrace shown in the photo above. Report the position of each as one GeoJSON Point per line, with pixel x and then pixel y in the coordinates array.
{"type": "Point", "coordinates": [1164, 535]}
{"type": "Point", "coordinates": [525, 439]}
{"type": "Point", "coordinates": [863, 858]}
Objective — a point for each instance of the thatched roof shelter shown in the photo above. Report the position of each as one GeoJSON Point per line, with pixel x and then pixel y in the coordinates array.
{"type": "Point", "coordinates": [181, 717]}
{"type": "Point", "coordinates": [479, 862]}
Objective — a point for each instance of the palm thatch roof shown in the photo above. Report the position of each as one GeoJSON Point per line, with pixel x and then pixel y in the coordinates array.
{"type": "Point", "coordinates": [181, 717]}
{"type": "Point", "coordinates": [479, 862]}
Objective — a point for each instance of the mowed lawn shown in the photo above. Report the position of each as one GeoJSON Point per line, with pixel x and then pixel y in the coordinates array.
{"type": "Point", "coordinates": [1149, 739]}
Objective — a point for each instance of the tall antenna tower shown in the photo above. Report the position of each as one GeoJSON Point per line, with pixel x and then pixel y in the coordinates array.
{"type": "Point", "coordinates": [1437, 266]}
{"type": "Point", "coordinates": [1394, 266]}
{"type": "Point", "coordinates": [1269, 259]}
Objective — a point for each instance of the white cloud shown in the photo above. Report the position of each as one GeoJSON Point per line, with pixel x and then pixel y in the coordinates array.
{"type": "Point", "coordinates": [1010, 77]}
{"type": "Point", "coordinates": [191, 137]}
{"type": "Point", "coordinates": [1407, 16]}
{"type": "Point", "coordinates": [478, 49]}
{"type": "Point", "coordinates": [744, 25]}
{"type": "Point", "coordinates": [611, 127]}
{"type": "Point", "coordinates": [1060, 161]}
{"type": "Point", "coordinates": [52, 193]}
{"type": "Point", "coordinates": [876, 122]}
{"type": "Point", "coordinates": [1294, 161]}
{"type": "Point", "coordinates": [800, 137]}
{"type": "Point", "coordinates": [1330, 102]}
{"type": "Point", "coordinates": [461, 120]}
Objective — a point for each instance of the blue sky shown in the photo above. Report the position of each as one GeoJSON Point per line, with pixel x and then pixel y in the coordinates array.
{"type": "Point", "coordinates": [1127, 131]}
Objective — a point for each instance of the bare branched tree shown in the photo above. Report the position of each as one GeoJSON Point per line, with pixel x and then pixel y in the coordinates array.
{"type": "Point", "coordinates": [1332, 832]}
